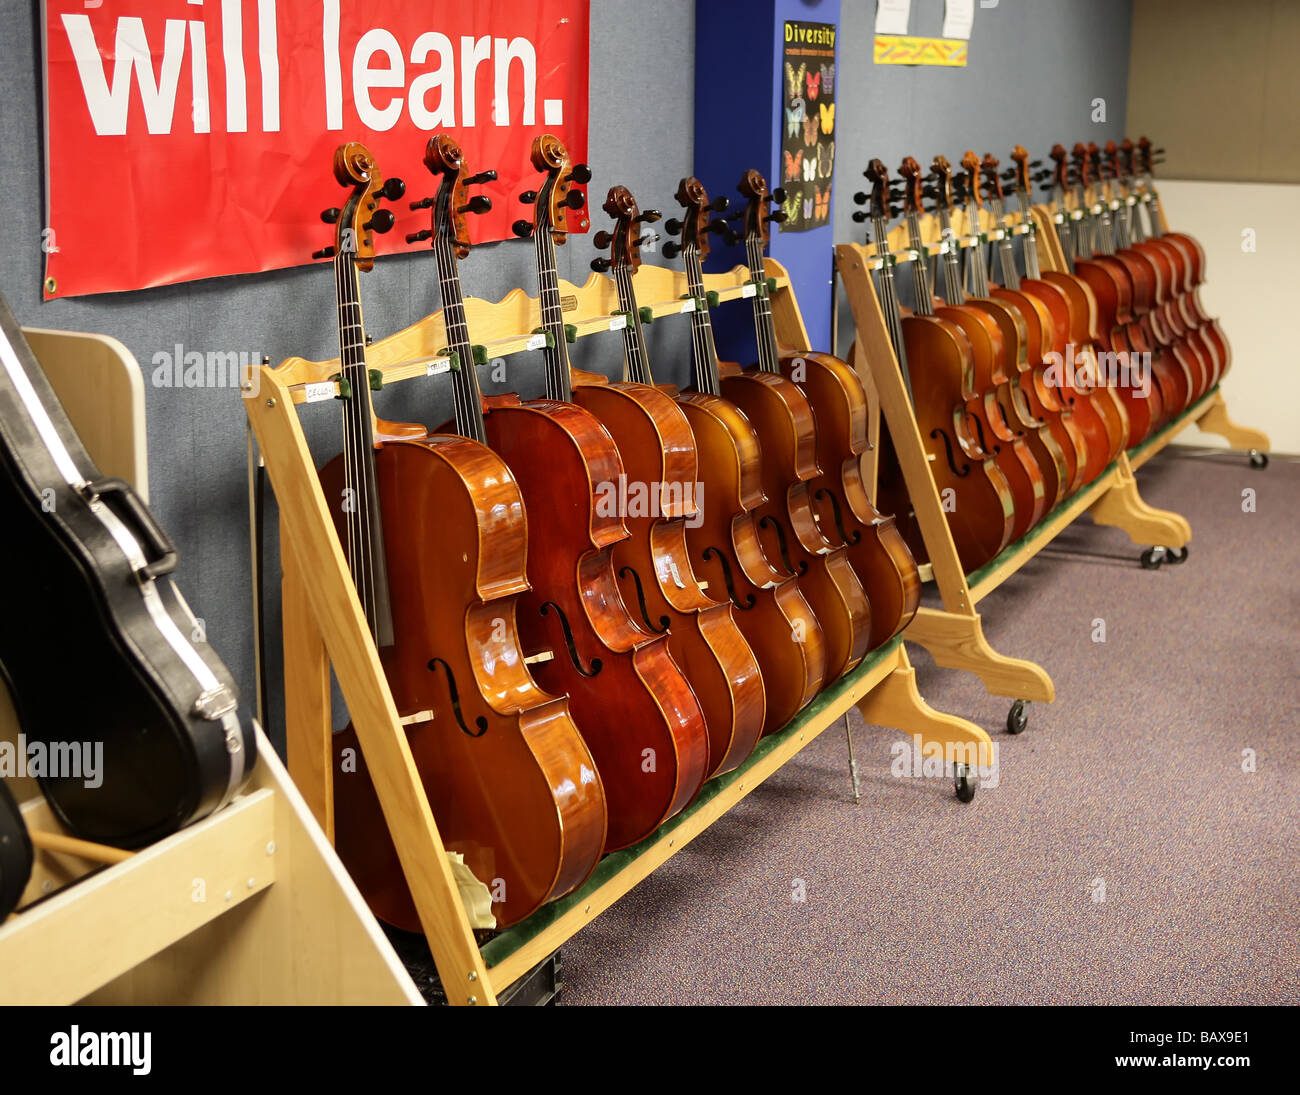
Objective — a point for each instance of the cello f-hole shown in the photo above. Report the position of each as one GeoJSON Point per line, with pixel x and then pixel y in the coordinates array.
{"type": "Point", "coordinates": [770, 521]}
{"type": "Point", "coordinates": [961, 472]}
{"type": "Point", "coordinates": [749, 600]}
{"type": "Point", "coordinates": [848, 538]}
{"type": "Point", "coordinates": [568, 641]}
{"type": "Point", "coordinates": [664, 621]}
{"type": "Point", "coordinates": [480, 722]}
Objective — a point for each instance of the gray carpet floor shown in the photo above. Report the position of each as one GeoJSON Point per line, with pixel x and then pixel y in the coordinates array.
{"type": "Point", "coordinates": [1130, 788]}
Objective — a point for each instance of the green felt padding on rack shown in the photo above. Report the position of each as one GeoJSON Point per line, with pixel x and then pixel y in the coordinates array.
{"type": "Point", "coordinates": [453, 357]}
{"type": "Point", "coordinates": [376, 380]}
{"type": "Point", "coordinates": [480, 354]}
{"type": "Point", "coordinates": [570, 332]}
{"type": "Point", "coordinates": [345, 386]}
{"type": "Point", "coordinates": [712, 297]}
{"type": "Point", "coordinates": [975, 577]}
{"type": "Point", "coordinates": [646, 313]}
{"type": "Point", "coordinates": [771, 285]}
{"type": "Point", "coordinates": [498, 949]}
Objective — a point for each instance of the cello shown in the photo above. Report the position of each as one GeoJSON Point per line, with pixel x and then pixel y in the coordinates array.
{"type": "Point", "coordinates": [509, 780]}
{"type": "Point", "coordinates": [657, 445]}
{"type": "Point", "coordinates": [939, 372]}
{"type": "Point", "coordinates": [872, 542]}
{"type": "Point", "coordinates": [988, 351]}
{"type": "Point", "coordinates": [783, 420]}
{"type": "Point", "coordinates": [633, 707]}
{"type": "Point", "coordinates": [773, 613]}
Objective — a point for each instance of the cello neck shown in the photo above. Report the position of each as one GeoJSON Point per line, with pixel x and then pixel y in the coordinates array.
{"type": "Point", "coordinates": [634, 350]}
{"type": "Point", "coordinates": [559, 380]}
{"type": "Point", "coordinates": [465, 390]}
{"type": "Point", "coordinates": [769, 356]}
{"type": "Point", "coordinates": [703, 347]}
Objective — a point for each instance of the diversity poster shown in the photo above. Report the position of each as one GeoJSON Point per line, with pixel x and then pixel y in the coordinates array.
{"type": "Point", "coordinates": [808, 133]}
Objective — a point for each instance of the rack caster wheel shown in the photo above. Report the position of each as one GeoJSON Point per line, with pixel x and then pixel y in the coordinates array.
{"type": "Point", "coordinates": [1018, 717]}
{"type": "Point", "coordinates": [964, 782]}
{"type": "Point", "coordinates": [1153, 558]}
{"type": "Point", "coordinates": [1175, 556]}
{"type": "Point", "coordinates": [1258, 459]}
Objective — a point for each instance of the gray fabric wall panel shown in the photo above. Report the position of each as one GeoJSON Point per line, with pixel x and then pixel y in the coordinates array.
{"type": "Point", "coordinates": [1034, 69]}
{"type": "Point", "coordinates": [640, 135]}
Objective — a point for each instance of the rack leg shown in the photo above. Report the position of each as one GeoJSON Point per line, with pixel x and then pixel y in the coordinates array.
{"type": "Point", "coordinates": [956, 641]}
{"type": "Point", "coordinates": [1216, 421]}
{"type": "Point", "coordinates": [896, 702]}
{"type": "Point", "coordinates": [1122, 507]}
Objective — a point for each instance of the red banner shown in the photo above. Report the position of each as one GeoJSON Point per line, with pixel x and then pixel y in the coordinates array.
{"type": "Point", "coordinates": [192, 138]}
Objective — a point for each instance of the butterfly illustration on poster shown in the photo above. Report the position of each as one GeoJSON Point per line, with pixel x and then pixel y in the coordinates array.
{"type": "Point", "coordinates": [808, 135]}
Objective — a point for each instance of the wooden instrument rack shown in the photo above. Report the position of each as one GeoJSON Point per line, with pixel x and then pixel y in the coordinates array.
{"type": "Point", "coordinates": [953, 634]}
{"type": "Point", "coordinates": [250, 905]}
{"type": "Point", "coordinates": [323, 625]}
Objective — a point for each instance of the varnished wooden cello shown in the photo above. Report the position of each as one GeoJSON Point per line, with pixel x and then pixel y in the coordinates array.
{"type": "Point", "coordinates": [842, 507]}
{"type": "Point", "coordinates": [1027, 402]}
{"type": "Point", "coordinates": [772, 611]}
{"type": "Point", "coordinates": [1062, 310]}
{"type": "Point", "coordinates": [434, 533]}
{"type": "Point", "coordinates": [988, 354]}
{"type": "Point", "coordinates": [632, 705]}
{"type": "Point", "coordinates": [787, 522]}
{"type": "Point", "coordinates": [657, 445]}
{"type": "Point", "coordinates": [939, 373]}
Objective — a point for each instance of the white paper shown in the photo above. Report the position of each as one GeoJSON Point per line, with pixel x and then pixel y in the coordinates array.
{"type": "Point", "coordinates": [748, 291]}
{"type": "Point", "coordinates": [535, 342]}
{"type": "Point", "coordinates": [688, 305]}
{"type": "Point", "coordinates": [958, 15]}
{"type": "Point", "coordinates": [438, 365]}
{"type": "Point", "coordinates": [892, 16]}
{"type": "Point", "coordinates": [315, 393]}
{"type": "Point", "coordinates": [617, 323]}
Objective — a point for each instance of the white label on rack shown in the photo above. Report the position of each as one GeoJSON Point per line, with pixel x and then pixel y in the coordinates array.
{"type": "Point", "coordinates": [688, 305]}
{"type": "Point", "coordinates": [1130, 200]}
{"type": "Point", "coordinates": [536, 342]}
{"type": "Point", "coordinates": [748, 291]}
{"type": "Point", "coordinates": [438, 365]}
{"type": "Point", "coordinates": [317, 393]}
{"type": "Point", "coordinates": [943, 248]}
{"type": "Point", "coordinates": [617, 323]}
{"type": "Point", "coordinates": [996, 234]}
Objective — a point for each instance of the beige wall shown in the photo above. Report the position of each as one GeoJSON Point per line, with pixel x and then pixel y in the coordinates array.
{"type": "Point", "coordinates": [1252, 293]}
{"type": "Point", "coordinates": [1217, 84]}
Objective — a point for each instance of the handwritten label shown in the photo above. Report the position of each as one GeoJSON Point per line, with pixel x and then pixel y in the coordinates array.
{"type": "Point", "coordinates": [438, 365]}
{"type": "Point", "coordinates": [316, 393]}
{"type": "Point", "coordinates": [535, 342]}
{"type": "Point", "coordinates": [617, 323]}
{"type": "Point", "coordinates": [688, 305]}
{"type": "Point", "coordinates": [748, 291]}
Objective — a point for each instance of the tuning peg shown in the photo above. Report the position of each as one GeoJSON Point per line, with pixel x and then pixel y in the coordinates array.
{"type": "Point", "coordinates": [649, 237]}
{"type": "Point", "coordinates": [391, 190]}
{"type": "Point", "coordinates": [416, 237]}
{"type": "Point", "coordinates": [600, 265]}
{"type": "Point", "coordinates": [480, 203]}
{"type": "Point", "coordinates": [380, 222]}
{"type": "Point", "coordinates": [861, 197]}
{"type": "Point", "coordinates": [672, 226]}
{"type": "Point", "coordinates": [602, 239]}
{"type": "Point", "coordinates": [522, 229]}
{"type": "Point", "coordinates": [331, 216]}
{"type": "Point", "coordinates": [738, 215]}
{"type": "Point", "coordinates": [780, 216]}
{"type": "Point", "coordinates": [481, 177]}
{"type": "Point", "coordinates": [1039, 176]}
{"type": "Point", "coordinates": [719, 204]}
{"type": "Point", "coordinates": [671, 250]}
{"type": "Point", "coordinates": [860, 215]}
{"type": "Point", "coordinates": [528, 197]}
{"type": "Point", "coordinates": [575, 199]}
{"type": "Point", "coordinates": [580, 174]}
{"type": "Point", "coordinates": [778, 195]}
{"type": "Point", "coordinates": [1009, 173]}
{"type": "Point", "coordinates": [649, 216]}
{"type": "Point", "coordinates": [323, 253]}
{"type": "Point", "coordinates": [423, 203]}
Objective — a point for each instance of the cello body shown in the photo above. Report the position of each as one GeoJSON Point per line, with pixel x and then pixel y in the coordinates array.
{"type": "Point", "coordinates": [770, 608]}
{"type": "Point", "coordinates": [654, 569]}
{"type": "Point", "coordinates": [510, 781]}
{"type": "Point", "coordinates": [874, 546]}
{"type": "Point", "coordinates": [783, 421]}
{"type": "Point", "coordinates": [627, 694]}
